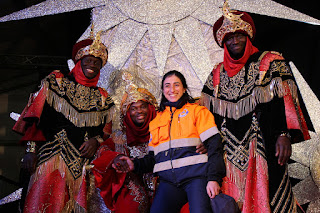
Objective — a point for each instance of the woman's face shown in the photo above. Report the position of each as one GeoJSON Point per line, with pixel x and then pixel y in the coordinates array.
{"type": "Point", "coordinates": [173, 88]}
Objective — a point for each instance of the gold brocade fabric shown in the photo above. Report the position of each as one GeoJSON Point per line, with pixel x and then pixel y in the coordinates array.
{"type": "Point", "coordinates": [238, 151]}
{"type": "Point", "coordinates": [238, 96]}
{"type": "Point", "coordinates": [62, 146]}
{"type": "Point", "coordinates": [81, 105]}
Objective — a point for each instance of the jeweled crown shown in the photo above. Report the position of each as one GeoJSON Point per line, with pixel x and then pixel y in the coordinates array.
{"type": "Point", "coordinates": [232, 23]}
{"type": "Point", "coordinates": [97, 49]}
{"type": "Point", "coordinates": [134, 94]}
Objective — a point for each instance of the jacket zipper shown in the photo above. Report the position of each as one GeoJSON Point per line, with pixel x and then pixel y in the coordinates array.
{"type": "Point", "coordinates": [170, 150]}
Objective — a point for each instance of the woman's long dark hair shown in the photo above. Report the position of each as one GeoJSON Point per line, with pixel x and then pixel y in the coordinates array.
{"type": "Point", "coordinates": [185, 98]}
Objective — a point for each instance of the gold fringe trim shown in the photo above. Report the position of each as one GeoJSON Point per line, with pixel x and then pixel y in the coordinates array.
{"type": "Point", "coordinates": [91, 189]}
{"type": "Point", "coordinates": [74, 186]}
{"type": "Point", "coordinates": [73, 206]}
{"type": "Point", "coordinates": [84, 119]}
{"type": "Point", "coordinates": [239, 178]}
{"type": "Point", "coordinates": [248, 104]}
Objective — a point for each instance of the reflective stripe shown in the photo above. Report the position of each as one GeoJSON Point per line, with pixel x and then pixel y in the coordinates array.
{"type": "Point", "coordinates": [177, 143]}
{"type": "Point", "coordinates": [181, 162]}
{"type": "Point", "coordinates": [150, 149]}
{"type": "Point", "coordinates": [209, 133]}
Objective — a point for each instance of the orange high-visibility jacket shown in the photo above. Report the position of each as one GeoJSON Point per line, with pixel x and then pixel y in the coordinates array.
{"type": "Point", "coordinates": [174, 135]}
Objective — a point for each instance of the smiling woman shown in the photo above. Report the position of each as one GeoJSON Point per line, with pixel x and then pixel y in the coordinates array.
{"type": "Point", "coordinates": [173, 88]}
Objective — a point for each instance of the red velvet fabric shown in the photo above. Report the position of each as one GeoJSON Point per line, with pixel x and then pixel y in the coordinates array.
{"type": "Point", "coordinates": [33, 134]}
{"type": "Point", "coordinates": [48, 194]}
{"type": "Point", "coordinates": [294, 115]}
{"type": "Point", "coordinates": [257, 183]}
{"type": "Point", "coordinates": [78, 46]}
{"type": "Point", "coordinates": [53, 191]}
{"type": "Point", "coordinates": [121, 192]}
{"type": "Point", "coordinates": [107, 179]}
{"type": "Point", "coordinates": [253, 181]}
{"type": "Point", "coordinates": [26, 124]}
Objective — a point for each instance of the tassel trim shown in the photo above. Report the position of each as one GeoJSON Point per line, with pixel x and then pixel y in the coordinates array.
{"type": "Point", "coordinates": [83, 119]}
{"type": "Point", "coordinates": [73, 206]}
{"type": "Point", "coordinates": [246, 105]}
{"type": "Point", "coordinates": [74, 185]}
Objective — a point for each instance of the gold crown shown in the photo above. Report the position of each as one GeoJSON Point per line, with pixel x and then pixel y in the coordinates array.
{"type": "Point", "coordinates": [232, 23]}
{"type": "Point", "coordinates": [134, 94]}
{"type": "Point", "coordinates": [97, 49]}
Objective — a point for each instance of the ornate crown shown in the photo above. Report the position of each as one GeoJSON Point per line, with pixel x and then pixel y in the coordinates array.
{"type": "Point", "coordinates": [97, 49]}
{"type": "Point", "coordinates": [134, 94]}
{"type": "Point", "coordinates": [232, 23]}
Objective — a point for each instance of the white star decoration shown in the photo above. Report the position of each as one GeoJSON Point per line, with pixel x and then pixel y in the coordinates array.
{"type": "Point", "coordinates": [149, 38]}
{"type": "Point", "coordinates": [307, 153]}
{"type": "Point", "coordinates": [160, 21]}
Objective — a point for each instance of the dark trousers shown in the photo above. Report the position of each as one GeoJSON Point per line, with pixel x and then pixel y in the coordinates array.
{"type": "Point", "coordinates": [170, 198]}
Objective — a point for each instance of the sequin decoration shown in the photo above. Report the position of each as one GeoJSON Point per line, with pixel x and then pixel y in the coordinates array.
{"type": "Point", "coordinates": [16, 195]}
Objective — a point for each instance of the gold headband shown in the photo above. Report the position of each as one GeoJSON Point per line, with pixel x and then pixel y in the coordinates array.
{"type": "Point", "coordinates": [97, 49]}
{"type": "Point", "coordinates": [232, 23]}
{"type": "Point", "coordinates": [134, 94]}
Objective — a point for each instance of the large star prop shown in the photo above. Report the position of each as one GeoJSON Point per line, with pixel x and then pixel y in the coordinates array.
{"type": "Point", "coordinates": [164, 24]}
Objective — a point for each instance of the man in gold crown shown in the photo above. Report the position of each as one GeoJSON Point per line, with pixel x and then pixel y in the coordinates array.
{"type": "Point", "coordinates": [62, 127]}
{"type": "Point", "coordinates": [127, 192]}
{"type": "Point", "coordinates": [253, 97]}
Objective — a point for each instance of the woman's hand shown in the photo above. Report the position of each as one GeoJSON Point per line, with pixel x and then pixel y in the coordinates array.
{"type": "Point", "coordinates": [29, 162]}
{"type": "Point", "coordinates": [123, 164]}
{"type": "Point", "coordinates": [89, 148]}
{"type": "Point", "coordinates": [213, 188]}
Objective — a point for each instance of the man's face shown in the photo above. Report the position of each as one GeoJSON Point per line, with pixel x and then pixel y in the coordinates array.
{"type": "Point", "coordinates": [236, 44]}
{"type": "Point", "coordinates": [91, 66]}
{"type": "Point", "coordinates": [138, 112]}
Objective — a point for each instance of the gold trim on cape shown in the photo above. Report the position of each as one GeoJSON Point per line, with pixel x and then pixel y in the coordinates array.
{"type": "Point", "coordinates": [246, 105]}
{"type": "Point", "coordinates": [79, 119]}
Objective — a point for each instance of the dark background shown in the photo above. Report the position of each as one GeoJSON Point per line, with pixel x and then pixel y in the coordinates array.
{"type": "Point", "coordinates": [32, 48]}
